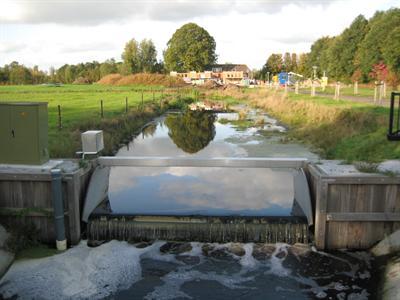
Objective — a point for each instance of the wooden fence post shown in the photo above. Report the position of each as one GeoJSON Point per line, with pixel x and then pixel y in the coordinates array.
{"type": "Point", "coordinates": [126, 104]}
{"type": "Point", "coordinates": [101, 109]}
{"type": "Point", "coordinates": [312, 89]}
{"type": "Point", "coordinates": [376, 92]}
{"type": "Point", "coordinates": [356, 88]}
{"type": "Point", "coordinates": [142, 100]}
{"type": "Point", "coordinates": [59, 117]}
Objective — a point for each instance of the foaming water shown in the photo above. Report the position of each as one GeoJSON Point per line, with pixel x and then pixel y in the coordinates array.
{"type": "Point", "coordinates": [119, 270]}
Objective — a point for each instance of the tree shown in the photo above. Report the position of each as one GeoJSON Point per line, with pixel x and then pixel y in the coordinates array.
{"type": "Point", "coordinates": [342, 52]}
{"type": "Point", "coordinates": [294, 63]}
{"type": "Point", "coordinates": [108, 67]}
{"type": "Point", "coordinates": [303, 64]}
{"type": "Point", "coordinates": [377, 39]}
{"type": "Point", "coordinates": [191, 131]}
{"type": "Point", "coordinates": [287, 62]}
{"type": "Point", "coordinates": [274, 64]}
{"type": "Point", "coordinates": [147, 56]}
{"type": "Point", "coordinates": [131, 57]}
{"type": "Point", "coordinates": [191, 48]}
{"type": "Point", "coordinates": [391, 51]}
{"type": "Point", "coordinates": [319, 55]}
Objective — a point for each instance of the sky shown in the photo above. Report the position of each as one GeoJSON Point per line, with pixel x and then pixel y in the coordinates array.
{"type": "Point", "coordinates": [55, 32]}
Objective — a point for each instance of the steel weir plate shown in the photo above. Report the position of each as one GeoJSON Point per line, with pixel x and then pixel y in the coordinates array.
{"type": "Point", "coordinates": [232, 162]}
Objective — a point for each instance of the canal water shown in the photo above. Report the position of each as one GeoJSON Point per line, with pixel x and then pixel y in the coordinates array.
{"type": "Point", "coordinates": [206, 191]}
{"type": "Point", "coordinates": [192, 270]}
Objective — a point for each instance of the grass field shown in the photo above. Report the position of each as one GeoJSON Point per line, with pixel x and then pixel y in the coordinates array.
{"type": "Point", "coordinates": [363, 92]}
{"type": "Point", "coordinates": [80, 110]}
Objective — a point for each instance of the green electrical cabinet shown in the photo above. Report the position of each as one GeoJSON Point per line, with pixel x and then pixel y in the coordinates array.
{"type": "Point", "coordinates": [23, 133]}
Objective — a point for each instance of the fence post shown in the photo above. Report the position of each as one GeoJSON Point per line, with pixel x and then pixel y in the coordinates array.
{"type": "Point", "coordinates": [312, 89]}
{"type": "Point", "coordinates": [384, 89]}
{"type": "Point", "coordinates": [380, 92]}
{"type": "Point", "coordinates": [101, 109]}
{"type": "Point", "coordinates": [296, 88]}
{"type": "Point", "coordinates": [126, 104]}
{"type": "Point", "coordinates": [338, 90]}
{"type": "Point", "coordinates": [376, 92]}
{"type": "Point", "coordinates": [356, 88]}
{"type": "Point", "coordinates": [154, 99]}
{"type": "Point", "coordinates": [59, 117]}
{"type": "Point", "coordinates": [142, 101]}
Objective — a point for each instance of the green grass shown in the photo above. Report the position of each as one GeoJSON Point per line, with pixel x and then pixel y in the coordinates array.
{"type": "Point", "coordinates": [80, 110]}
{"type": "Point", "coordinates": [363, 92]}
{"type": "Point", "coordinates": [35, 252]}
{"type": "Point", "coordinates": [345, 130]}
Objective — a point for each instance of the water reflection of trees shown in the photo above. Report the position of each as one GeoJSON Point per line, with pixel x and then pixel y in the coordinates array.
{"type": "Point", "coordinates": [192, 130]}
{"type": "Point", "coordinates": [149, 130]}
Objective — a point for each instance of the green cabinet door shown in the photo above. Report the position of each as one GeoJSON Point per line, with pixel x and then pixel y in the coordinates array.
{"type": "Point", "coordinates": [24, 134]}
{"type": "Point", "coordinates": [5, 133]}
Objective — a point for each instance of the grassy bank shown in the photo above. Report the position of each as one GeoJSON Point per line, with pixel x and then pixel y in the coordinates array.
{"type": "Point", "coordinates": [335, 129]}
{"type": "Point", "coordinates": [80, 110]}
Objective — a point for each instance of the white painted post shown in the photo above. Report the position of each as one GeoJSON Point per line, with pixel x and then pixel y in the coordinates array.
{"type": "Point", "coordinates": [356, 88]}
{"type": "Point", "coordinates": [384, 89]}
{"type": "Point", "coordinates": [376, 92]}
{"type": "Point", "coordinates": [296, 88]}
{"type": "Point", "coordinates": [380, 92]}
{"type": "Point", "coordinates": [312, 89]}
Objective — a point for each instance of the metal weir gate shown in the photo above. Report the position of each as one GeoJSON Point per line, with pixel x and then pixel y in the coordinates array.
{"type": "Point", "coordinates": [207, 228]}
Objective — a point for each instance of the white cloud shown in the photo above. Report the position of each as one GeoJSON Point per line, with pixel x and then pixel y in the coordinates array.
{"type": "Point", "coordinates": [40, 32]}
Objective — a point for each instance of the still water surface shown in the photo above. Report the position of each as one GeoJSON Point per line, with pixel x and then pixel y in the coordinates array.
{"type": "Point", "coordinates": [206, 191]}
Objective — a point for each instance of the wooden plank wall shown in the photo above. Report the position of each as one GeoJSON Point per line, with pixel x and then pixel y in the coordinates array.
{"type": "Point", "coordinates": [354, 212]}
{"type": "Point", "coordinates": [26, 199]}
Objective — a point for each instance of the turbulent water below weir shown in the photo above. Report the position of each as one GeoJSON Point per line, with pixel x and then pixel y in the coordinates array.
{"type": "Point", "coordinates": [119, 270]}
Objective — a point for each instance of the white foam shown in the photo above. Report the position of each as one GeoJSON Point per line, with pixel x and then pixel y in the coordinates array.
{"type": "Point", "coordinates": [247, 260]}
{"type": "Point", "coordinates": [276, 266]}
{"type": "Point", "coordinates": [81, 272]}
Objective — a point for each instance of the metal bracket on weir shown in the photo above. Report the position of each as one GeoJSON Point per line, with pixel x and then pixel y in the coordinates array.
{"type": "Point", "coordinates": [232, 162]}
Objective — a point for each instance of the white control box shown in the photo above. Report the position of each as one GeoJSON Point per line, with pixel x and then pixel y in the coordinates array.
{"type": "Point", "coordinates": [92, 141]}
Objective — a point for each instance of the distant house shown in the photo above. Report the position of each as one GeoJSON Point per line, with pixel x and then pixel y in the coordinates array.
{"type": "Point", "coordinates": [232, 73]}
{"type": "Point", "coordinates": [224, 73]}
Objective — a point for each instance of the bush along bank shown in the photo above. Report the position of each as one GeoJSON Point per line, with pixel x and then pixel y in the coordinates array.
{"type": "Point", "coordinates": [335, 129]}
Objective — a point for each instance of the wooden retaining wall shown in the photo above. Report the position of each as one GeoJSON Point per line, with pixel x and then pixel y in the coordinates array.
{"type": "Point", "coordinates": [25, 199]}
{"type": "Point", "coordinates": [353, 211]}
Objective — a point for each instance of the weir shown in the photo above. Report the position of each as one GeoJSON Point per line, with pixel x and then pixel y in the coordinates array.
{"type": "Point", "coordinates": [199, 227]}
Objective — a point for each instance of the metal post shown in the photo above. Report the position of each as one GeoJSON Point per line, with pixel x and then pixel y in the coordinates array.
{"type": "Point", "coordinates": [56, 189]}
{"type": "Point", "coordinates": [59, 117]}
{"type": "Point", "coordinates": [101, 109]}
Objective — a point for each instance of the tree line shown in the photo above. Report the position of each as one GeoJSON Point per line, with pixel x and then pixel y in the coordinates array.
{"type": "Point", "coordinates": [191, 47]}
{"type": "Point", "coordinates": [366, 51]}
